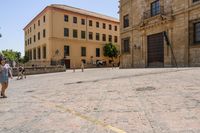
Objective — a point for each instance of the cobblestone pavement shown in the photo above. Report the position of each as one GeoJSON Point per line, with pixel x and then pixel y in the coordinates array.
{"type": "Point", "coordinates": [104, 101]}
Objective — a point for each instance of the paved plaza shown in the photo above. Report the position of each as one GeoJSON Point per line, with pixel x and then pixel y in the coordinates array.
{"type": "Point", "coordinates": [104, 101]}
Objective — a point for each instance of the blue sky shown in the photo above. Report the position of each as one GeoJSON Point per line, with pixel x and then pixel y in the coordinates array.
{"type": "Point", "coordinates": [15, 14]}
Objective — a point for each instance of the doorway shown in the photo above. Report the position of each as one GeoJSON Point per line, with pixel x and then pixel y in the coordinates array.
{"type": "Point", "coordinates": [155, 50]}
{"type": "Point", "coordinates": [67, 63]}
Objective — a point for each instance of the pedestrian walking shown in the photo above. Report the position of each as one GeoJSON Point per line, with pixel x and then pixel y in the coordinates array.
{"type": "Point", "coordinates": [21, 73]}
{"type": "Point", "coordinates": [74, 68]}
{"type": "Point", "coordinates": [20, 76]}
{"type": "Point", "coordinates": [5, 73]}
{"type": "Point", "coordinates": [24, 72]}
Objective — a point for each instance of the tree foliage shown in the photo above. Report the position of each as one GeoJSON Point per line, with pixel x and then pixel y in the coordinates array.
{"type": "Point", "coordinates": [111, 51]}
{"type": "Point", "coordinates": [11, 55]}
{"type": "Point", "coordinates": [25, 59]}
{"type": "Point", "coordinates": [15, 56]}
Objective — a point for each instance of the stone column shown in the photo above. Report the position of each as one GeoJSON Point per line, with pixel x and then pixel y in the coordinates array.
{"type": "Point", "coordinates": [144, 47]}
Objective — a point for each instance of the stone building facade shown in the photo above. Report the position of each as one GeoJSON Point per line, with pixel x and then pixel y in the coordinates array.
{"type": "Point", "coordinates": [62, 34]}
{"type": "Point", "coordinates": [143, 23]}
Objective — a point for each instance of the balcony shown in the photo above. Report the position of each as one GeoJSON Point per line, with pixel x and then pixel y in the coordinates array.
{"type": "Point", "coordinates": [150, 13]}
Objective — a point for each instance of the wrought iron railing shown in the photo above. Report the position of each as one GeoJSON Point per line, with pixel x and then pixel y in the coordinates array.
{"type": "Point", "coordinates": [151, 13]}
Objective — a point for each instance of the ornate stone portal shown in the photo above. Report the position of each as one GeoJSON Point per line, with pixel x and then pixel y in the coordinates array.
{"type": "Point", "coordinates": [147, 18]}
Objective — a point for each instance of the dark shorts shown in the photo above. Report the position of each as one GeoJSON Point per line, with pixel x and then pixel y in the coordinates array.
{"type": "Point", "coordinates": [4, 82]}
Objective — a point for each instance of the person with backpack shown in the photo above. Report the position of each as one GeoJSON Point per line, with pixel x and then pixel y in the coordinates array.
{"type": "Point", "coordinates": [21, 73]}
{"type": "Point", "coordinates": [20, 76]}
{"type": "Point", "coordinates": [24, 72]}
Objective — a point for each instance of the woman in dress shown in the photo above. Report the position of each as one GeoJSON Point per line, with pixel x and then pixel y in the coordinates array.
{"type": "Point", "coordinates": [5, 72]}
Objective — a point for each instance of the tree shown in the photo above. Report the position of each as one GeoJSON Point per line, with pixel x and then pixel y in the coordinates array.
{"type": "Point", "coordinates": [111, 51]}
{"type": "Point", "coordinates": [1, 54]}
{"type": "Point", "coordinates": [10, 55]}
{"type": "Point", "coordinates": [15, 56]}
{"type": "Point", "coordinates": [18, 56]}
{"type": "Point", "coordinates": [25, 59]}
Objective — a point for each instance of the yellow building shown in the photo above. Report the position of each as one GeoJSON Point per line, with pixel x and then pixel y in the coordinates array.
{"type": "Point", "coordinates": [62, 34]}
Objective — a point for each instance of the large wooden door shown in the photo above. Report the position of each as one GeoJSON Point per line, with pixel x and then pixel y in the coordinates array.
{"type": "Point", "coordinates": [67, 63]}
{"type": "Point", "coordinates": [155, 50]}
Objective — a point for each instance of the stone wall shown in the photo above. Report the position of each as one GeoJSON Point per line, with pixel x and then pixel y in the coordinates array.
{"type": "Point", "coordinates": [40, 70]}
{"type": "Point", "coordinates": [195, 57]}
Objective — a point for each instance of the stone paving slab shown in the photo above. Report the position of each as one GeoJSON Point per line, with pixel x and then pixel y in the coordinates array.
{"type": "Point", "coordinates": [104, 101]}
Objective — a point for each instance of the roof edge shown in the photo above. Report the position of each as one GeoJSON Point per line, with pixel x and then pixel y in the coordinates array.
{"type": "Point", "coordinates": [54, 6]}
{"type": "Point", "coordinates": [44, 10]}
{"type": "Point", "coordinates": [111, 18]}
